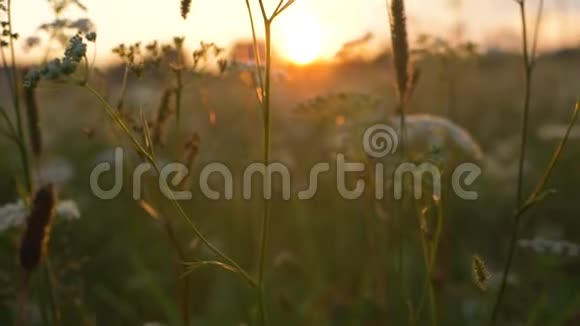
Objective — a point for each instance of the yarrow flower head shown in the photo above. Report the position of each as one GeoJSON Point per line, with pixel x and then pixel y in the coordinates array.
{"type": "Point", "coordinates": [76, 49]}
{"type": "Point", "coordinates": [91, 37]}
{"type": "Point", "coordinates": [56, 68]}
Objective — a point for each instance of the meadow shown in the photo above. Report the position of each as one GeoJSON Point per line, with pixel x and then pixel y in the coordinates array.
{"type": "Point", "coordinates": [327, 260]}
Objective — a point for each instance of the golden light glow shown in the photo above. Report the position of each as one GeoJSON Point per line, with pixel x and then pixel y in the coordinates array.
{"type": "Point", "coordinates": [301, 38]}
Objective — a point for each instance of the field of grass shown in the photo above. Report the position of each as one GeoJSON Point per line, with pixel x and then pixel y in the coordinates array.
{"type": "Point", "coordinates": [329, 260]}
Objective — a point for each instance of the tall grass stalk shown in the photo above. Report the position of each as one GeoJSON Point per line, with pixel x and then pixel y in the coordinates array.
{"type": "Point", "coordinates": [76, 52]}
{"type": "Point", "coordinates": [183, 277]}
{"type": "Point", "coordinates": [400, 45]}
{"type": "Point", "coordinates": [178, 71]}
{"type": "Point", "coordinates": [17, 135]}
{"type": "Point", "coordinates": [537, 196]}
{"type": "Point", "coordinates": [121, 100]}
{"type": "Point", "coordinates": [529, 62]}
{"type": "Point", "coordinates": [265, 98]}
{"type": "Point", "coordinates": [430, 250]}
{"type": "Point", "coordinates": [401, 63]}
{"type": "Point", "coordinates": [10, 70]}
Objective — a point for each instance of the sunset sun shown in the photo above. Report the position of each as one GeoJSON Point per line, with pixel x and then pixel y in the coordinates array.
{"type": "Point", "coordinates": [301, 39]}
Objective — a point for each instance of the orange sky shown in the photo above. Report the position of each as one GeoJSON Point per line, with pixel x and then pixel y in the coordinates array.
{"type": "Point", "coordinates": [223, 21]}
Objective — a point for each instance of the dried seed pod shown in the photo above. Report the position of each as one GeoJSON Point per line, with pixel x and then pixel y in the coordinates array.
{"type": "Point", "coordinates": [185, 7]}
{"type": "Point", "coordinates": [191, 150]}
{"type": "Point", "coordinates": [190, 153]}
{"type": "Point", "coordinates": [163, 114]}
{"type": "Point", "coordinates": [38, 226]}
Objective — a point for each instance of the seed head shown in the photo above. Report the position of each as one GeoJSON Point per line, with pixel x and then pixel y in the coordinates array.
{"type": "Point", "coordinates": [76, 49]}
{"type": "Point", "coordinates": [91, 37]}
{"type": "Point", "coordinates": [191, 149]}
{"type": "Point", "coordinates": [189, 155]}
{"type": "Point", "coordinates": [163, 114]}
{"type": "Point", "coordinates": [185, 7]}
{"type": "Point", "coordinates": [400, 44]}
{"type": "Point", "coordinates": [57, 68]}
{"type": "Point", "coordinates": [38, 226]}
{"type": "Point", "coordinates": [481, 275]}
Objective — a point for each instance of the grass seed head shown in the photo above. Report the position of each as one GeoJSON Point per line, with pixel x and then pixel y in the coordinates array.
{"type": "Point", "coordinates": [481, 274]}
{"type": "Point", "coordinates": [38, 226]}
{"type": "Point", "coordinates": [185, 8]}
{"type": "Point", "coordinates": [400, 44]}
{"type": "Point", "coordinates": [191, 149]}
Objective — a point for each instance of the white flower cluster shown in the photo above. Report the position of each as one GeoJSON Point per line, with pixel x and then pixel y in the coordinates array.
{"type": "Point", "coordinates": [439, 133]}
{"type": "Point", "coordinates": [555, 247]}
{"type": "Point", "coordinates": [14, 214]}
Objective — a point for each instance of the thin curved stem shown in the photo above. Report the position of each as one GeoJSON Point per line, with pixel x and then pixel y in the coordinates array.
{"type": "Point", "coordinates": [121, 100]}
{"type": "Point", "coordinates": [537, 27]}
{"type": "Point", "coordinates": [178, 208]}
{"type": "Point", "coordinates": [534, 198]}
{"type": "Point", "coordinates": [257, 54]}
{"type": "Point", "coordinates": [529, 61]}
{"type": "Point", "coordinates": [526, 106]}
{"type": "Point", "coordinates": [52, 291]}
{"type": "Point", "coordinates": [266, 103]}
{"type": "Point", "coordinates": [520, 180]}
{"type": "Point", "coordinates": [266, 217]}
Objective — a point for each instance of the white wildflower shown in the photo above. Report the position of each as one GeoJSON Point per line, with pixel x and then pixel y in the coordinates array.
{"type": "Point", "coordinates": [440, 134]}
{"type": "Point", "coordinates": [57, 171]}
{"type": "Point", "coordinates": [68, 209]}
{"type": "Point", "coordinates": [541, 245]}
{"type": "Point", "coordinates": [14, 214]}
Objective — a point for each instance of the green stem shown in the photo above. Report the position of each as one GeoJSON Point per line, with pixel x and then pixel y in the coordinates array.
{"type": "Point", "coordinates": [16, 100]}
{"type": "Point", "coordinates": [534, 198]}
{"type": "Point", "coordinates": [528, 71]}
{"type": "Point", "coordinates": [265, 101]}
{"type": "Point", "coordinates": [430, 258]}
{"type": "Point", "coordinates": [183, 282]}
{"type": "Point", "coordinates": [178, 96]}
{"type": "Point", "coordinates": [121, 101]}
{"type": "Point", "coordinates": [53, 298]}
{"type": "Point", "coordinates": [178, 208]}
{"type": "Point", "coordinates": [257, 54]}
{"type": "Point", "coordinates": [266, 218]}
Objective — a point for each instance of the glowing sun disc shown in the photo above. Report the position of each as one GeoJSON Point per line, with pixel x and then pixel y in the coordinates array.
{"type": "Point", "coordinates": [301, 39]}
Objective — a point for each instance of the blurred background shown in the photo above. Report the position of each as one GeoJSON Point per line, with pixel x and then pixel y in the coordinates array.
{"type": "Point", "coordinates": [330, 259]}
